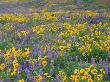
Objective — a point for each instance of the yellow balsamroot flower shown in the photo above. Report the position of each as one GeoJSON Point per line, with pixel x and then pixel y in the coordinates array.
{"type": "Point", "coordinates": [76, 71]}
{"type": "Point", "coordinates": [23, 33]}
{"type": "Point", "coordinates": [90, 80]}
{"type": "Point", "coordinates": [86, 74]}
{"type": "Point", "coordinates": [62, 73]}
{"type": "Point", "coordinates": [39, 78]}
{"type": "Point", "coordinates": [44, 63]}
{"type": "Point", "coordinates": [15, 62]}
{"type": "Point", "coordinates": [15, 65]}
{"type": "Point", "coordinates": [76, 80]}
{"type": "Point", "coordinates": [46, 74]}
{"type": "Point", "coordinates": [22, 80]}
{"type": "Point", "coordinates": [72, 32]}
{"type": "Point", "coordinates": [87, 69]}
{"type": "Point", "coordinates": [83, 77]}
{"type": "Point", "coordinates": [99, 77]}
{"type": "Point", "coordinates": [81, 71]}
{"type": "Point", "coordinates": [94, 71]}
{"type": "Point", "coordinates": [89, 76]}
{"type": "Point", "coordinates": [65, 79]}
{"type": "Point", "coordinates": [62, 48]}
{"type": "Point", "coordinates": [67, 25]}
{"type": "Point", "coordinates": [63, 34]}
{"type": "Point", "coordinates": [53, 28]}
{"type": "Point", "coordinates": [2, 66]}
{"type": "Point", "coordinates": [50, 16]}
{"type": "Point", "coordinates": [73, 77]}
{"type": "Point", "coordinates": [34, 61]}
{"type": "Point", "coordinates": [13, 73]}
{"type": "Point", "coordinates": [68, 45]}
{"type": "Point", "coordinates": [25, 54]}
{"type": "Point", "coordinates": [91, 66]}
{"type": "Point", "coordinates": [6, 56]}
{"type": "Point", "coordinates": [102, 71]}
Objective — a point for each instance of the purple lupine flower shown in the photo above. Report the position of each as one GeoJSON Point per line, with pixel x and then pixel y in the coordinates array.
{"type": "Point", "coordinates": [1, 80]}
{"type": "Point", "coordinates": [107, 62]}
{"type": "Point", "coordinates": [51, 72]}
{"type": "Point", "coordinates": [27, 71]}
{"type": "Point", "coordinates": [93, 60]}
{"type": "Point", "coordinates": [12, 58]}
{"type": "Point", "coordinates": [37, 64]}
{"type": "Point", "coordinates": [30, 64]}
{"type": "Point", "coordinates": [100, 62]}
{"type": "Point", "coordinates": [7, 79]}
{"type": "Point", "coordinates": [40, 54]}
{"type": "Point", "coordinates": [58, 78]}
{"type": "Point", "coordinates": [106, 67]}
{"type": "Point", "coordinates": [17, 75]}
{"type": "Point", "coordinates": [49, 54]}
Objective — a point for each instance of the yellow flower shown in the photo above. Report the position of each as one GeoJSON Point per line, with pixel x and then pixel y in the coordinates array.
{"type": "Point", "coordinates": [15, 65]}
{"type": "Point", "coordinates": [65, 79]}
{"type": "Point", "coordinates": [76, 80]}
{"type": "Point", "coordinates": [99, 77]}
{"type": "Point", "coordinates": [94, 71]}
{"type": "Point", "coordinates": [72, 32]}
{"type": "Point", "coordinates": [13, 73]}
{"type": "Point", "coordinates": [39, 78]}
{"type": "Point", "coordinates": [87, 69]}
{"type": "Point", "coordinates": [44, 63]}
{"type": "Point", "coordinates": [68, 45]}
{"type": "Point", "coordinates": [61, 48]}
{"type": "Point", "coordinates": [102, 71]}
{"type": "Point", "coordinates": [81, 71]}
{"type": "Point", "coordinates": [86, 74]}
{"type": "Point", "coordinates": [63, 34]}
{"type": "Point", "coordinates": [61, 73]}
{"type": "Point", "coordinates": [76, 71]}
{"type": "Point", "coordinates": [22, 80]}
{"type": "Point", "coordinates": [2, 66]}
{"type": "Point", "coordinates": [15, 62]}
{"type": "Point", "coordinates": [90, 80]}
{"type": "Point", "coordinates": [73, 77]}
{"type": "Point", "coordinates": [83, 77]}
{"type": "Point", "coordinates": [45, 74]}
{"type": "Point", "coordinates": [89, 76]}
{"type": "Point", "coordinates": [91, 66]}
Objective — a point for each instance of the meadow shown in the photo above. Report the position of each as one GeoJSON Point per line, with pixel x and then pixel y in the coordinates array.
{"type": "Point", "coordinates": [54, 41]}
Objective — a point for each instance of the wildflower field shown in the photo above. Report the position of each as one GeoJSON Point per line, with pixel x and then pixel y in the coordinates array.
{"type": "Point", "coordinates": [54, 41]}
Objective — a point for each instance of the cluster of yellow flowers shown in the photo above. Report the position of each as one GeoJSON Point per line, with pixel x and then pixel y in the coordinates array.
{"type": "Point", "coordinates": [53, 28]}
{"type": "Point", "coordinates": [69, 31]}
{"type": "Point", "coordinates": [50, 16]}
{"type": "Point", "coordinates": [22, 80]}
{"type": "Point", "coordinates": [35, 16]}
{"type": "Point", "coordinates": [89, 12]}
{"type": "Point", "coordinates": [14, 17]}
{"type": "Point", "coordinates": [39, 29]}
{"type": "Point", "coordinates": [62, 48]}
{"type": "Point", "coordinates": [39, 78]}
{"type": "Point", "coordinates": [17, 53]}
{"type": "Point", "coordinates": [15, 66]}
{"type": "Point", "coordinates": [8, 26]}
{"type": "Point", "coordinates": [2, 66]}
{"type": "Point", "coordinates": [23, 33]}
{"type": "Point", "coordinates": [87, 74]}
{"type": "Point", "coordinates": [63, 76]}
{"type": "Point", "coordinates": [40, 59]}
{"type": "Point", "coordinates": [85, 49]}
